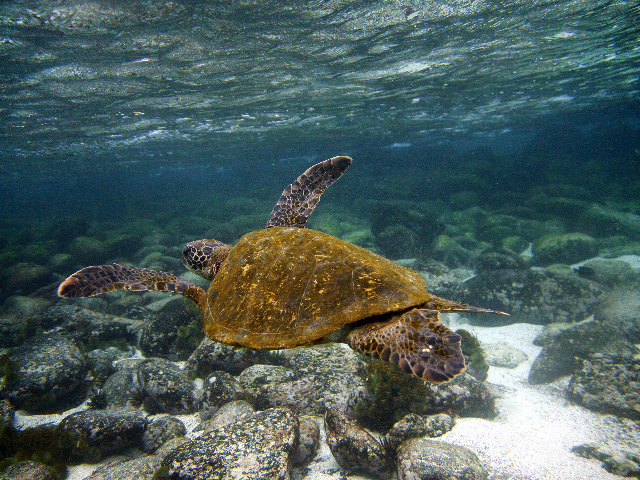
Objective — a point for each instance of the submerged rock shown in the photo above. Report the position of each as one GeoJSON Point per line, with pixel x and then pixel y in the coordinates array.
{"type": "Point", "coordinates": [308, 442]}
{"type": "Point", "coordinates": [608, 385]}
{"type": "Point", "coordinates": [160, 431]}
{"type": "Point", "coordinates": [487, 261]}
{"type": "Point", "coordinates": [120, 389]}
{"type": "Point", "coordinates": [106, 432]}
{"type": "Point", "coordinates": [420, 458]}
{"type": "Point", "coordinates": [438, 425]}
{"type": "Point", "coordinates": [608, 272]}
{"type": "Point", "coordinates": [228, 414]}
{"type": "Point", "coordinates": [503, 355]}
{"type": "Point", "coordinates": [598, 219]}
{"type": "Point", "coordinates": [464, 395]}
{"type": "Point", "coordinates": [257, 448]}
{"type": "Point", "coordinates": [354, 448]}
{"type": "Point", "coordinates": [625, 463]}
{"type": "Point", "coordinates": [210, 356]}
{"type": "Point", "coordinates": [28, 470]}
{"type": "Point", "coordinates": [25, 278]}
{"type": "Point", "coordinates": [90, 329]}
{"type": "Point", "coordinates": [142, 468]}
{"type": "Point", "coordinates": [7, 413]}
{"type": "Point", "coordinates": [324, 377]}
{"type": "Point", "coordinates": [410, 426]}
{"type": "Point", "coordinates": [101, 362]}
{"type": "Point", "coordinates": [566, 345]}
{"type": "Point", "coordinates": [398, 241]}
{"type": "Point", "coordinates": [565, 248]}
{"type": "Point", "coordinates": [24, 307]}
{"type": "Point", "coordinates": [43, 373]}
{"type": "Point", "coordinates": [166, 388]}
{"type": "Point", "coordinates": [257, 377]}
{"type": "Point", "coordinates": [218, 389]}
{"type": "Point", "coordinates": [161, 336]}
{"type": "Point", "coordinates": [532, 297]}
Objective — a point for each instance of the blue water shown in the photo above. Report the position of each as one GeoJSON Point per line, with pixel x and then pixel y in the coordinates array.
{"type": "Point", "coordinates": [179, 118]}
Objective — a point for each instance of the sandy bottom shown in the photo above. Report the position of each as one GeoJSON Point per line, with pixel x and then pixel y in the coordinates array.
{"type": "Point", "coordinates": [532, 436]}
{"type": "Point", "coordinates": [530, 439]}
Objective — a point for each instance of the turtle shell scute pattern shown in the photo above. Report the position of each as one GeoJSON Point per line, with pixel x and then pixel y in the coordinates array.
{"type": "Point", "coordinates": [283, 287]}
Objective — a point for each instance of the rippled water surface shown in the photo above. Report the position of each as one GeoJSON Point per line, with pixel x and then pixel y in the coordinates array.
{"type": "Point", "coordinates": [168, 84]}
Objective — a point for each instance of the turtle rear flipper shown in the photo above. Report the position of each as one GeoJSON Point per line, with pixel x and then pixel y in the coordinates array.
{"type": "Point", "coordinates": [99, 279]}
{"type": "Point", "coordinates": [417, 341]}
{"type": "Point", "coordinates": [300, 198]}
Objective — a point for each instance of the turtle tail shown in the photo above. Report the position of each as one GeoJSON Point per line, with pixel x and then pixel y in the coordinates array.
{"type": "Point", "coordinates": [444, 305]}
{"type": "Point", "coordinates": [100, 279]}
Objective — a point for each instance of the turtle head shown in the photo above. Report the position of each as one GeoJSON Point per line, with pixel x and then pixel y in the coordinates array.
{"type": "Point", "coordinates": [204, 257]}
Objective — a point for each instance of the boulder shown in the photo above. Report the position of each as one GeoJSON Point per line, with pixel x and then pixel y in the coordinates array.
{"type": "Point", "coordinates": [217, 389]}
{"type": "Point", "coordinates": [565, 248]}
{"type": "Point", "coordinates": [161, 430]}
{"type": "Point", "coordinates": [165, 388]}
{"type": "Point", "coordinates": [28, 470]}
{"type": "Point", "coordinates": [324, 377]}
{"type": "Point", "coordinates": [531, 296]}
{"type": "Point", "coordinates": [423, 459]}
{"type": "Point", "coordinates": [257, 448]}
{"type": "Point", "coordinates": [210, 356]}
{"type": "Point", "coordinates": [354, 448]}
{"type": "Point", "coordinates": [618, 461]}
{"type": "Point", "coordinates": [608, 384]}
{"type": "Point", "coordinates": [106, 431]}
{"type": "Point", "coordinates": [43, 373]}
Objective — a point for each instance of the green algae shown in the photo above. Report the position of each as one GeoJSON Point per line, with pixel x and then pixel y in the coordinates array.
{"type": "Point", "coordinates": [476, 360]}
{"type": "Point", "coordinates": [394, 395]}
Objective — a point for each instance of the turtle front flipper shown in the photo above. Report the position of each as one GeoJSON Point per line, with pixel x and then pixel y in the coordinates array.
{"type": "Point", "coordinates": [99, 279]}
{"type": "Point", "coordinates": [300, 198]}
{"type": "Point", "coordinates": [417, 341]}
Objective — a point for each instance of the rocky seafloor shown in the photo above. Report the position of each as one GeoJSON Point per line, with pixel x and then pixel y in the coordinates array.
{"type": "Point", "coordinates": [126, 386]}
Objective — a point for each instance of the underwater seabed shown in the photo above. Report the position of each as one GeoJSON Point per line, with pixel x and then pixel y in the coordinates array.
{"type": "Point", "coordinates": [530, 439]}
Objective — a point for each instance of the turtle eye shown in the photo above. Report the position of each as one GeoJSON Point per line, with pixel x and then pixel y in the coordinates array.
{"type": "Point", "coordinates": [203, 257]}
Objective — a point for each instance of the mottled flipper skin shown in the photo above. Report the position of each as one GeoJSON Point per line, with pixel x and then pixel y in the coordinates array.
{"type": "Point", "coordinates": [417, 341]}
{"type": "Point", "coordinates": [100, 279]}
{"type": "Point", "coordinates": [300, 198]}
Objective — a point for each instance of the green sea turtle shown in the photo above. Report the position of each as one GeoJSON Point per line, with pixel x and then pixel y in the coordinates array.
{"type": "Point", "coordinates": [285, 286]}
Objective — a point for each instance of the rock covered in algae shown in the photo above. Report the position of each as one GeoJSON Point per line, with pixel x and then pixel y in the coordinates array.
{"type": "Point", "coordinates": [107, 431]}
{"type": "Point", "coordinates": [160, 431]}
{"type": "Point", "coordinates": [43, 373]}
{"type": "Point", "coordinates": [623, 462]}
{"type": "Point", "coordinates": [354, 448]}
{"type": "Point", "coordinates": [323, 377]}
{"type": "Point", "coordinates": [564, 248]}
{"type": "Point", "coordinates": [165, 387]}
{"type": "Point", "coordinates": [609, 385]}
{"type": "Point", "coordinates": [28, 470]}
{"type": "Point", "coordinates": [532, 297]}
{"type": "Point", "coordinates": [309, 441]}
{"type": "Point", "coordinates": [261, 446]}
{"type": "Point", "coordinates": [420, 458]}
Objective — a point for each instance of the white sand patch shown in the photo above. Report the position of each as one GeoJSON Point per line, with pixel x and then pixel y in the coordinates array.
{"type": "Point", "coordinates": [80, 472]}
{"type": "Point", "coordinates": [23, 419]}
{"type": "Point", "coordinates": [536, 428]}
